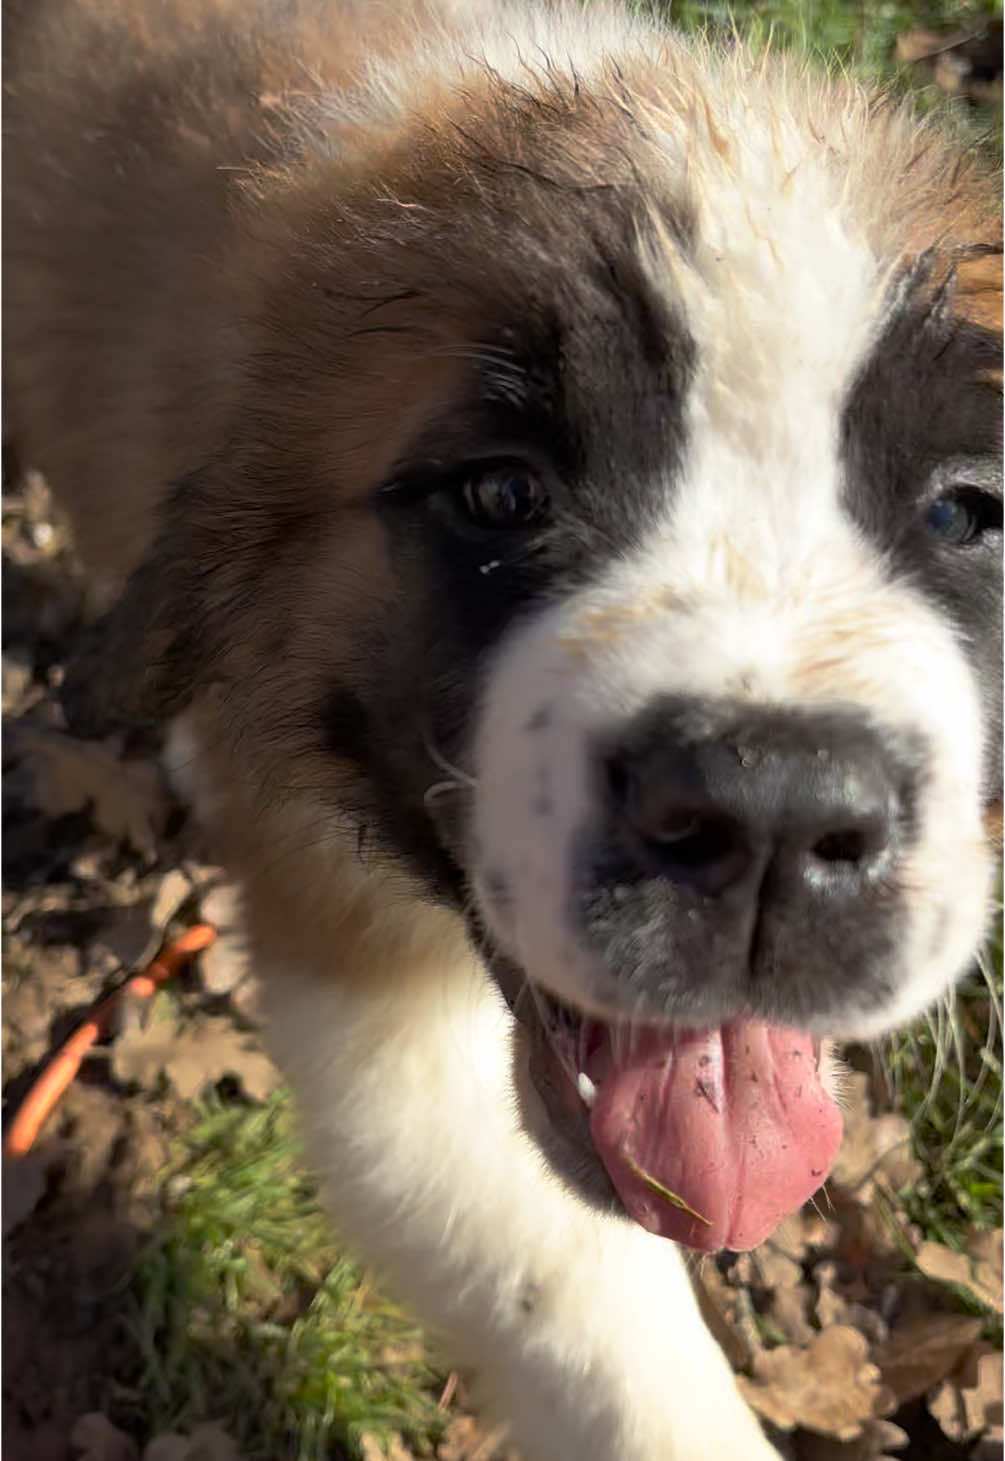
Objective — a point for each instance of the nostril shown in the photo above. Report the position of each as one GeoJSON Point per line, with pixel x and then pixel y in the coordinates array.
{"type": "Point", "coordinates": [619, 781]}
{"type": "Point", "coordinates": [694, 842]}
{"type": "Point", "coordinates": [855, 844]}
{"type": "Point", "coordinates": [847, 846]}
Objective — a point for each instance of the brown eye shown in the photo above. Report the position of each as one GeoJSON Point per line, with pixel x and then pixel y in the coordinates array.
{"type": "Point", "coordinates": [504, 497]}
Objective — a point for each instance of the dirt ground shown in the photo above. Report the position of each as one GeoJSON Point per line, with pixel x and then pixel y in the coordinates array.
{"type": "Point", "coordinates": [853, 1334]}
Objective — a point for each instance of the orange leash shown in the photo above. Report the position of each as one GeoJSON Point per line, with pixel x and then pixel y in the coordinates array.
{"type": "Point", "coordinates": [47, 1089]}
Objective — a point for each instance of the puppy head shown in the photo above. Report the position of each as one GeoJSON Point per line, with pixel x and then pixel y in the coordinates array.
{"type": "Point", "coordinates": [611, 526]}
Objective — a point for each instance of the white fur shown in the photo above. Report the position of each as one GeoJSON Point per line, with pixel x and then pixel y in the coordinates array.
{"type": "Point", "coordinates": [582, 1328]}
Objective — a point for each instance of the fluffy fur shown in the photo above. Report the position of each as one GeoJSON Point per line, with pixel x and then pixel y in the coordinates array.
{"type": "Point", "coordinates": [288, 287]}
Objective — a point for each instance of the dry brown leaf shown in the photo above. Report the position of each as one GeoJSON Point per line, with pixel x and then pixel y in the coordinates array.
{"type": "Point", "coordinates": [94, 1438]}
{"type": "Point", "coordinates": [879, 1439]}
{"type": "Point", "coordinates": [774, 1269]}
{"type": "Point", "coordinates": [831, 1387]}
{"type": "Point", "coordinates": [979, 1272]}
{"type": "Point", "coordinates": [192, 1057]}
{"type": "Point", "coordinates": [985, 1246]}
{"type": "Point", "coordinates": [466, 1439]}
{"type": "Point", "coordinates": [212, 1048]}
{"type": "Point", "coordinates": [140, 1054]}
{"type": "Point", "coordinates": [972, 1402]}
{"type": "Point", "coordinates": [990, 1447]}
{"type": "Point", "coordinates": [168, 1447]}
{"type": "Point", "coordinates": [918, 44]}
{"type": "Point", "coordinates": [924, 1351]}
{"type": "Point", "coordinates": [24, 1183]}
{"type": "Point", "coordinates": [837, 1302]}
{"type": "Point", "coordinates": [208, 1442]}
{"type": "Point", "coordinates": [174, 888]}
{"type": "Point", "coordinates": [224, 965]}
{"type": "Point", "coordinates": [788, 1307]}
{"type": "Point", "coordinates": [873, 1146]}
{"type": "Point", "coordinates": [788, 1310]}
{"type": "Point", "coordinates": [127, 798]}
{"type": "Point", "coordinates": [373, 1450]}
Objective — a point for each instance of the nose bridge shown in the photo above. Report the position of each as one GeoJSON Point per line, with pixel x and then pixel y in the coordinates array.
{"type": "Point", "coordinates": [779, 791]}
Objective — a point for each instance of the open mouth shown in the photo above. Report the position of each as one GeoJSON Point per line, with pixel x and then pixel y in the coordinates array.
{"type": "Point", "coordinates": [709, 1136]}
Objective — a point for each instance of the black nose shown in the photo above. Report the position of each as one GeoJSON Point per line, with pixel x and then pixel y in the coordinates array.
{"type": "Point", "coordinates": [716, 797]}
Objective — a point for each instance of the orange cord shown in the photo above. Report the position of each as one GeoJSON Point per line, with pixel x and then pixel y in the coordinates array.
{"type": "Point", "coordinates": [47, 1089]}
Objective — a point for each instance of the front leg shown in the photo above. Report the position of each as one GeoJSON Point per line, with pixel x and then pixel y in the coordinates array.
{"type": "Point", "coordinates": [582, 1328]}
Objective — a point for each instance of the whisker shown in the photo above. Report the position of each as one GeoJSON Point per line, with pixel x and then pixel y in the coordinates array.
{"type": "Point", "coordinates": [456, 773]}
{"type": "Point", "coordinates": [441, 788]}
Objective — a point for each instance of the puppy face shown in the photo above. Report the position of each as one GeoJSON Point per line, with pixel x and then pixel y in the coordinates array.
{"type": "Point", "coordinates": [612, 545]}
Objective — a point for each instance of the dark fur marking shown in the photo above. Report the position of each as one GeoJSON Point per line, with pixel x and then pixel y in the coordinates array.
{"type": "Point", "coordinates": [540, 720]}
{"type": "Point", "coordinates": [919, 403]}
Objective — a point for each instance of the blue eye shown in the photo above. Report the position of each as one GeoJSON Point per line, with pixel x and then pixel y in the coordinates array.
{"type": "Point", "coordinates": [963, 516]}
{"type": "Point", "coordinates": [504, 497]}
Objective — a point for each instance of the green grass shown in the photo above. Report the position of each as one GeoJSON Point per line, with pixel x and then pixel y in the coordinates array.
{"type": "Point", "coordinates": [947, 1077]}
{"type": "Point", "coordinates": [244, 1311]}
{"type": "Point", "coordinates": [861, 34]}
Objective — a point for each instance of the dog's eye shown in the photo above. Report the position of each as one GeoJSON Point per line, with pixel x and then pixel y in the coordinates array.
{"type": "Point", "coordinates": [963, 516]}
{"type": "Point", "coordinates": [504, 497]}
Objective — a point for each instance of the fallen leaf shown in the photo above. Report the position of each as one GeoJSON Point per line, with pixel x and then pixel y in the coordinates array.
{"type": "Point", "coordinates": [208, 1442]}
{"type": "Point", "coordinates": [24, 1184]}
{"type": "Point", "coordinates": [919, 44]}
{"type": "Point", "coordinates": [192, 1056]}
{"type": "Point", "coordinates": [970, 1403]}
{"type": "Point", "coordinates": [991, 1446]}
{"type": "Point", "coordinates": [221, 906]}
{"type": "Point", "coordinates": [168, 1447]}
{"type": "Point", "coordinates": [174, 889]}
{"type": "Point", "coordinates": [878, 1440]}
{"type": "Point", "coordinates": [775, 1269]}
{"type": "Point", "coordinates": [924, 1351]}
{"type": "Point", "coordinates": [211, 1048]}
{"type": "Point", "coordinates": [788, 1311]}
{"type": "Point", "coordinates": [94, 1438]}
{"type": "Point", "coordinates": [126, 937]}
{"type": "Point", "coordinates": [831, 1387]}
{"type": "Point", "coordinates": [873, 1146]}
{"type": "Point", "coordinates": [140, 1053]}
{"type": "Point", "coordinates": [225, 964]}
{"type": "Point", "coordinates": [466, 1439]}
{"type": "Point", "coordinates": [835, 1305]}
{"type": "Point", "coordinates": [17, 678]}
{"type": "Point", "coordinates": [211, 1442]}
{"type": "Point", "coordinates": [126, 798]}
{"type": "Point", "coordinates": [980, 1273]}
{"type": "Point", "coordinates": [373, 1450]}
{"type": "Point", "coordinates": [986, 1249]}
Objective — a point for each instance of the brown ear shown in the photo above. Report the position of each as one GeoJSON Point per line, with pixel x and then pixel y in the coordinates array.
{"type": "Point", "coordinates": [142, 662]}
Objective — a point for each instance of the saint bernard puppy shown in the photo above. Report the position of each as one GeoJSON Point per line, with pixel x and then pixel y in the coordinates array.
{"type": "Point", "coordinates": [545, 472]}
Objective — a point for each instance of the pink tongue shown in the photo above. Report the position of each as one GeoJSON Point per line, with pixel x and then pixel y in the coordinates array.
{"type": "Point", "coordinates": [711, 1137]}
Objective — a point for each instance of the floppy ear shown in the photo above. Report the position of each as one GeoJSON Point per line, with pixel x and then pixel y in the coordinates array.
{"type": "Point", "coordinates": [142, 662]}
